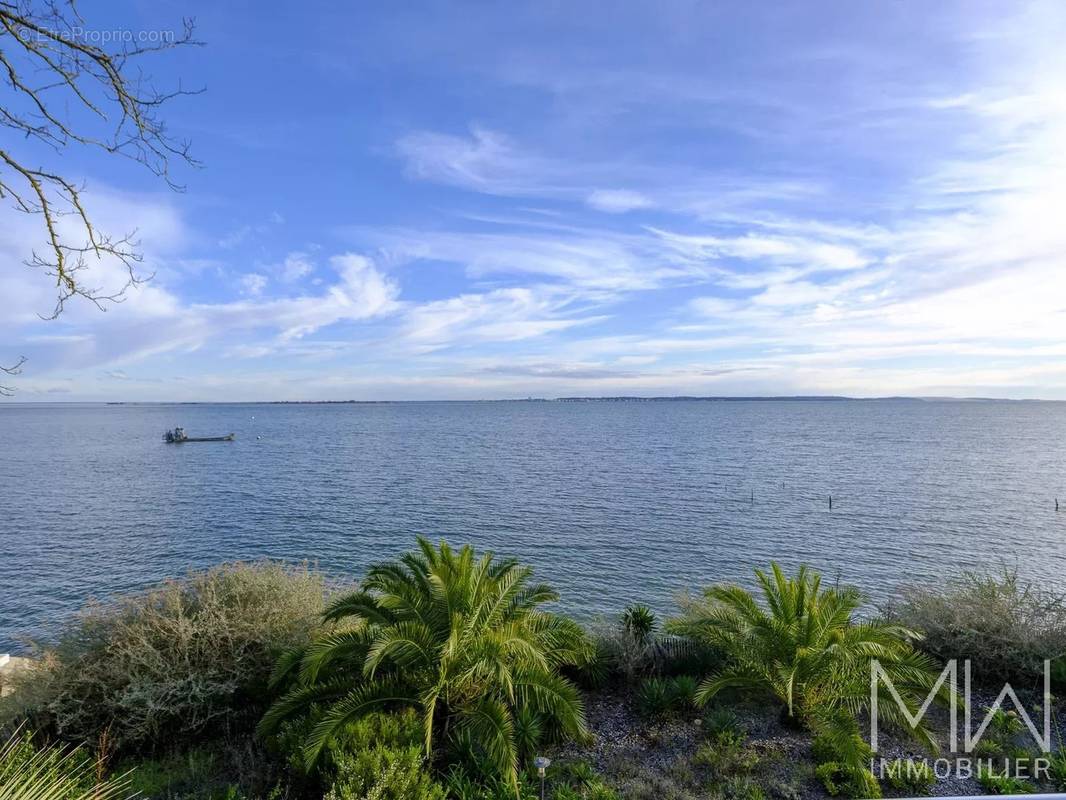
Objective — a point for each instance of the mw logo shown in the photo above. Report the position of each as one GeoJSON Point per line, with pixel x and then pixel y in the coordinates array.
{"type": "Point", "coordinates": [950, 675]}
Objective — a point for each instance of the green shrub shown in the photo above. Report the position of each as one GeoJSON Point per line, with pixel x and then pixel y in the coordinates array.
{"type": "Point", "coordinates": [654, 698]}
{"type": "Point", "coordinates": [823, 749]}
{"type": "Point", "coordinates": [833, 776]}
{"type": "Point", "coordinates": [995, 782]}
{"type": "Point", "coordinates": [986, 748]}
{"type": "Point", "coordinates": [782, 787]}
{"type": "Point", "coordinates": [574, 780]}
{"type": "Point", "coordinates": [719, 719]}
{"type": "Point", "coordinates": [740, 788]}
{"type": "Point", "coordinates": [179, 774]}
{"type": "Point", "coordinates": [658, 696]}
{"type": "Point", "coordinates": [726, 755]}
{"type": "Point", "coordinates": [842, 758]}
{"type": "Point", "coordinates": [460, 785]}
{"type": "Point", "coordinates": [1057, 769]}
{"type": "Point", "coordinates": [383, 773]}
{"type": "Point", "coordinates": [53, 773]}
{"type": "Point", "coordinates": [400, 728]}
{"type": "Point", "coordinates": [188, 658]}
{"type": "Point", "coordinates": [579, 773]}
{"type": "Point", "coordinates": [1003, 729]}
{"type": "Point", "coordinates": [639, 622]}
{"type": "Point", "coordinates": [843, 780]}
{"type": "Point", "coordinates": [1005, 626]}
{"type": "Point", "coordinates": [683, 692]}
{"type": "Point", "coordinates": [528, 732]}
{"type": "Point", "coordinates": [378, 756]}
{"type": "Point", "coordinates": [911, 776]}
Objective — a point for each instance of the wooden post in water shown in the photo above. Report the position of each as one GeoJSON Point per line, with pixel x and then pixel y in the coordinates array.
{"type": "Point", "coordinates": [830, 502]}
{"type": "Point", "coordinates": [753, 498]}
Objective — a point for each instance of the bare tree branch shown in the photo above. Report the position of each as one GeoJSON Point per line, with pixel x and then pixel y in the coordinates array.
{"type": "Point", "coordinates": [74, 86]}
{"type": "Point", "coordinates": [7, 391]}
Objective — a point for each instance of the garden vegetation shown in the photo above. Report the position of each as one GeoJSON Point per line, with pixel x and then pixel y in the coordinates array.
{"type": "Point", "coordinates": [461, 640]}
{"type": "Point", "coordinates": [445, 672]}
{"type": "Point", "coordinates": [1003, 625]}
{"type": "Point", "coordinates": [185, 660]}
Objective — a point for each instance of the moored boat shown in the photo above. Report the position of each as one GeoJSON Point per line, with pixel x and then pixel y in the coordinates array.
{"type": "Point", "coordinates": [179, 436]}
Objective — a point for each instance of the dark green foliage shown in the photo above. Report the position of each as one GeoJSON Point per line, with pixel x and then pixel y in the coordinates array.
{"type": "Point", "coordinates": [999, 782]}
{"type": "Point", "coordinates": [844, 780]}
{"type": "Point", "coordinates": [683, 692]}
{"type": "Point", "coordinates": [833, 776]}
{"type": "Point", "coordinates": [838, 742]}
{"type": "Point", "coordinates": [528, 732]}
{"type": "Point", "coordinates": [1003, 729]}
{"type": "Point", "coordinates": [460, 639]}
{"type": "Point", "coordinates": [910, 776]}
{"type": "Point", "coordinates": [576, 780]}
{"type": "Point", "coordinates": [653, 697]}
{"type": "Point", "coordinates": [460, 785]}
{"type": "Point", "coordinates": [189, 658]}
{"type": "Point", "coordinates": [657, 697]}
{"type": "Point", "coordinates": [718, 719]}
{"type": "Point", "coordinates": [1057, 769]}
{"type": "Point", "coordinates": [221, 770]}
{"type": "Point", "coordinates": [639, 622]}
{"type": "Point", "coordinates": [804, 645]}
{"type": "Point", "coordinates": [179, 775]}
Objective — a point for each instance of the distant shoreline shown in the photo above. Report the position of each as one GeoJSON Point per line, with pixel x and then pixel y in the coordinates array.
{"type": "Point", "coordinates": [574, 399]}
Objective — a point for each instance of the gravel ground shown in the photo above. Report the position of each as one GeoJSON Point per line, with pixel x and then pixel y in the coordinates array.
{"type": "Point", "coordinates": [659, 753]}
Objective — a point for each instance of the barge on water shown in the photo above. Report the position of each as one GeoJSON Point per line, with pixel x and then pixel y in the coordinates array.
{"type": "Point", "coordinates": [179, 436]}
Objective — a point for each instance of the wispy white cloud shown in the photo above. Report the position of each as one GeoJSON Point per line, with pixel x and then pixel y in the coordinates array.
{"type": "Point", "coordinates": [618, 201]}
{"type": "Point", "coordinates": [297, 265]}
{"type": "Point", "coordinates": [839, 216]}
{"type": "Point", "coordinates": [252, 283]}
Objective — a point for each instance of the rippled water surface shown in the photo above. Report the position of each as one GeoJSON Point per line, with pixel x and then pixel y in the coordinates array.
{"type": "Point", "coordinates": [612, 502]}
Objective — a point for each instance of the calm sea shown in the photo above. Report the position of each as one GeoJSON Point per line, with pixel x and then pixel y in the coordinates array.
{"type": "Point", "coordinates": [612, 502]}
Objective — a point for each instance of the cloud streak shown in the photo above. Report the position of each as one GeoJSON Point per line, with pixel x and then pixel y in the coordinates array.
{"type": "Point", "coordinates": [874, 213]}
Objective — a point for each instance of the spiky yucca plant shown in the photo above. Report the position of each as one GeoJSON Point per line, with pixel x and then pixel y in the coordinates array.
{"type": "Point", "coordinates": [53, 773]}
{"type": "Point", "coordinates": [461, 639]}
{"type": "Point", "coordinates": [807, 646]}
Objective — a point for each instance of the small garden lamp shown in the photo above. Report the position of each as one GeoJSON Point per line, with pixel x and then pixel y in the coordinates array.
{"type": "Point", "coordinates": [542, 764]}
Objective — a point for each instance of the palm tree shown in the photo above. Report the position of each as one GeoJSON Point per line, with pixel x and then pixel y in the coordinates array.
{"type": "Point", "coordinates": [460, 639]}
{"type": "Point", "coordinates": [639, 622]}
{"type": "Point", "coordinates": [806, 646]}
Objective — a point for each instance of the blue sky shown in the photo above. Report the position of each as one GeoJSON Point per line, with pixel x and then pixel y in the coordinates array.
{"type": "Point", "coordinates": [437, 200]}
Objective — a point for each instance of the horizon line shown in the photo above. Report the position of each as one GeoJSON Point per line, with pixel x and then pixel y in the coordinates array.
{"type": "Point", "coordinates": [562, 399]}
